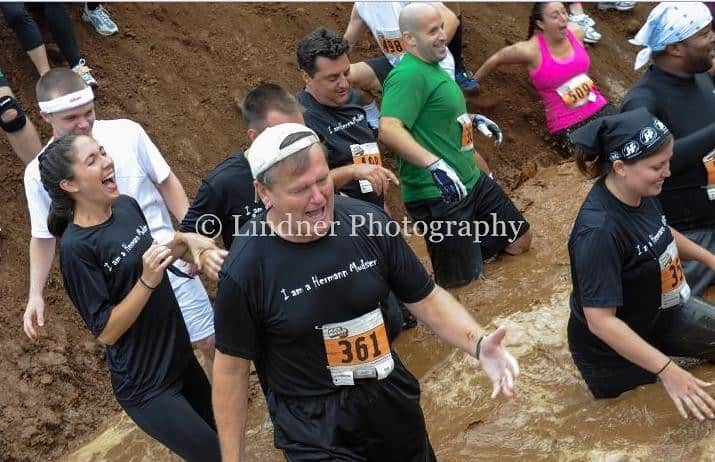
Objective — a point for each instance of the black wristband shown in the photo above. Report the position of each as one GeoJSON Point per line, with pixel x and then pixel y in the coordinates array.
{"type": "Point", "coordinates": [663, 368]}
{"type": "Point", "coordinates": [479, 346]}
{"type": "Point", "coordinates": [146, 286]}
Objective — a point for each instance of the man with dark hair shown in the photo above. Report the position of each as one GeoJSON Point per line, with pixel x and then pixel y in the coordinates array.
{"type": "Point", "coordinates": [226, 198]}
{"type": "Point", "coordinates": [333, 110]}
{"type": "Point", "coordinates": [678, 90]}
{"type": "Point", "coordinates": [334, 388]}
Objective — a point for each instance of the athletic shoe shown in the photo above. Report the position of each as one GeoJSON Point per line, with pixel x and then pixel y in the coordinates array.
{"type": "Point", "coordinates": [99, 18]}
{"type": "Point", "coordinates": [465, 79]}
{"type": "Point", "coordinates": [586, 23]}
{"type": "Point", "coordinates": [620, 6]}
{"type": "Point", "coordinates": [582, 20]}
{"type": "Point", "coordinates": [82, 70]}
{"type": "Point", "coordinates": [591, 35]}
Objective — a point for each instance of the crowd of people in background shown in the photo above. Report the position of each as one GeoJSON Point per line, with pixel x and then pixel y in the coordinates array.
{"type": "Point", "coordinates": [315, 302]}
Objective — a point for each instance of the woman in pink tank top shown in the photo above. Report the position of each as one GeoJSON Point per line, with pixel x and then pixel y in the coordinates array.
{"type": "Point", "coordinates": [558, 65]}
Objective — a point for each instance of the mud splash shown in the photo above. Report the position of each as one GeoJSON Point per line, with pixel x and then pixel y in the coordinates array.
{"type": "Point", "coordinates": [553, 416]}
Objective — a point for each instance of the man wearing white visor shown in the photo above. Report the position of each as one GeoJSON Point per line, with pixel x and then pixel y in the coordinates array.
{"type": "Point", "coordinates": [301, 294]}
{"type": "Point", "coordinates": [678, 90]}
{"type": "Point", "coordinates": [67, 103]}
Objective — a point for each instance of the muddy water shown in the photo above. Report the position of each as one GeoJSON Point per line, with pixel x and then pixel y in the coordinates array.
{"type": "Point", "coordinates": [552, 418]}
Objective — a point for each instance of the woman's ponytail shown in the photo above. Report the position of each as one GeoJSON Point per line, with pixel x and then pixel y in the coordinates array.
{"type": "Point", "coordinates": [56, 165]}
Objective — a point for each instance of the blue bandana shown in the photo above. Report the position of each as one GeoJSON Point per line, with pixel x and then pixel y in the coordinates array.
{"type": "Point", "coordinates": [668, 23]}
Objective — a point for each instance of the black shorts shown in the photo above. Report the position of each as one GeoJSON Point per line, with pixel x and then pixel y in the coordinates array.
{"type": "Point", "coordinates": [683, 330]}
{"type": "Point", "coordinates": [373, 420]}
{"type": "Point", "coordinates": [458, 260]}
{"type": "Point", "coordinates": [381, 66]}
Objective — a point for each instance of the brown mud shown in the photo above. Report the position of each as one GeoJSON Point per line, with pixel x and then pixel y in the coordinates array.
{"type": "Point", "coordinates": [178, 69]}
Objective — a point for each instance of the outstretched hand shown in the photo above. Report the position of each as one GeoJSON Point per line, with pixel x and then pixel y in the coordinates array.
{"type": "Point", "coordinates": [499, 365]}
{"type": "Point", "coordinates": [687, 392]}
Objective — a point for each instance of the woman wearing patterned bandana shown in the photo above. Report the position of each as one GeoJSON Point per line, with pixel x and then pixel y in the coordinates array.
{"type": "Point", "coordinates": [631, 306]}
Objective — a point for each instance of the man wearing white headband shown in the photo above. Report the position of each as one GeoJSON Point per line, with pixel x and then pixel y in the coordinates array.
{"type": "Point", "coordinates": [301, 294]}
{"type": "Point", "coordinates": [141, 172]}
{"type": "Point", "coordinates": [678, 90]}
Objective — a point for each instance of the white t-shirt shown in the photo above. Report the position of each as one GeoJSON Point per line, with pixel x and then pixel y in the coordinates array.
{"type": "Point", "coordinates": [382, 18]}
{"type": "Point", "coordinates": [138, 165]}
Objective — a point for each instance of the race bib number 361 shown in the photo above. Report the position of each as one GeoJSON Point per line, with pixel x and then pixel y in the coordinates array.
{"type": "Point", "coordinates": [358, 349]}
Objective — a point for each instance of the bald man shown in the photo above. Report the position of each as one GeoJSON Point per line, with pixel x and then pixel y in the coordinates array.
{"type": "Point", "coordinates": [425, 122]}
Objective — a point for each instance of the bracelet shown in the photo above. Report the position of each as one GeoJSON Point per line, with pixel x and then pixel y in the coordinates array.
{"type": "Point", "coordinates": [146, 286]}
{"type": "Point", "coordinates": [479, 346]}
{"type": "Point", "coordinates": [663, 368]}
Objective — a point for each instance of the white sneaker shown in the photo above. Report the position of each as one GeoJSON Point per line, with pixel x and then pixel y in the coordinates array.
{"type": "Point", "coordinates": [620, 6]}
{"type": "Point", "coordinates": [83, 71]}
{"type": "Point", "coordinates": [99, 18]}
{"type": "Point", "coordinates": [586, 23]}
{"type": "Point", "coordinates": [582, 20]}
{"type": "Point", "coordinates": [591, 35]}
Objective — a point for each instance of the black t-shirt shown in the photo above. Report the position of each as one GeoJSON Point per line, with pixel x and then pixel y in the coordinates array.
{"type": "Point", "coordinates": [227, 193]}
{"type": "Point", "coordinates": [339, 128]}
{"type": "Point", "coordinates": [615, 250]}
{"type": "Point", "coordinates": [100, 266]}
{"type": "Point", "coordinates": [274, 295]}
{"type": "Point", "coordinates": [687, 107]}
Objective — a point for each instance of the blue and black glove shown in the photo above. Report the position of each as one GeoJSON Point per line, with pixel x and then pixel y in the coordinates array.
{"type": "Point", "coordinates": [447, 181]}
{"type": "Point", "coordinates": [488, 128]}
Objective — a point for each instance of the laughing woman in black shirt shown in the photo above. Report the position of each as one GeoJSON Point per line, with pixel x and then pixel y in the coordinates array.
{"type": "Point", "coordinates": [115, 276]}
{"type": "Point", "coordinates": [631, 306]}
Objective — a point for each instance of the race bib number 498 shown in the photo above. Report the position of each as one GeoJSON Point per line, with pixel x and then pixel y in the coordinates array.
{"type": "Point", "coordinates": [358, 348]}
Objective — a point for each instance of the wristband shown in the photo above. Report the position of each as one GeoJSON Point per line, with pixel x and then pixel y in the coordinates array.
{"type": "Point", "coordinates": [479, 346]}
{"type": "Point", "coordinates": [146, 286]}
{"type": "Point", "coordinates": [663, 368]}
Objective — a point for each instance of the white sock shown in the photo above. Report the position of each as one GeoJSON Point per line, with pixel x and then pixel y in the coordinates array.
{"type": "Point", "coordinates": [373, 114]}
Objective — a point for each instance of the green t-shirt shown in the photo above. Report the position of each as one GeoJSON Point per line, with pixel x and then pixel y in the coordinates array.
{"type": "Point", "coordinates": [432, 107]}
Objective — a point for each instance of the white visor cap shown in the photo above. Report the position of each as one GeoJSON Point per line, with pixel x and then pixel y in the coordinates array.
{"type": "Point", "coordinates": [266, 151]}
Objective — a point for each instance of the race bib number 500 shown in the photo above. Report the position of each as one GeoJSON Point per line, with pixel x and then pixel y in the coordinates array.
{"type": "Point", "coordinates": [577, 91]}
{"type": "Point", "coordinates": [358, 349]}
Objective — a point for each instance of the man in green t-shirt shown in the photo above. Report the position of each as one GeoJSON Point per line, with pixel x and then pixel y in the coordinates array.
{"type": "Point", "coordinates": [425, 122]}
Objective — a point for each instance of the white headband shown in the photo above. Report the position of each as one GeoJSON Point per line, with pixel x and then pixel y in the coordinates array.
{"type": "Point", "coordinates": [69, 101]}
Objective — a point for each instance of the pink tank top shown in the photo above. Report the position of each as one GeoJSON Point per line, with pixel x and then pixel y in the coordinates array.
{"type": "Point", "coordinates": [569, 94]}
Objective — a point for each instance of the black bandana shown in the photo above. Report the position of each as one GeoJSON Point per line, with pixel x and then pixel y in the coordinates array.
{"type": "Point", "coordinates": [625, 136]}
